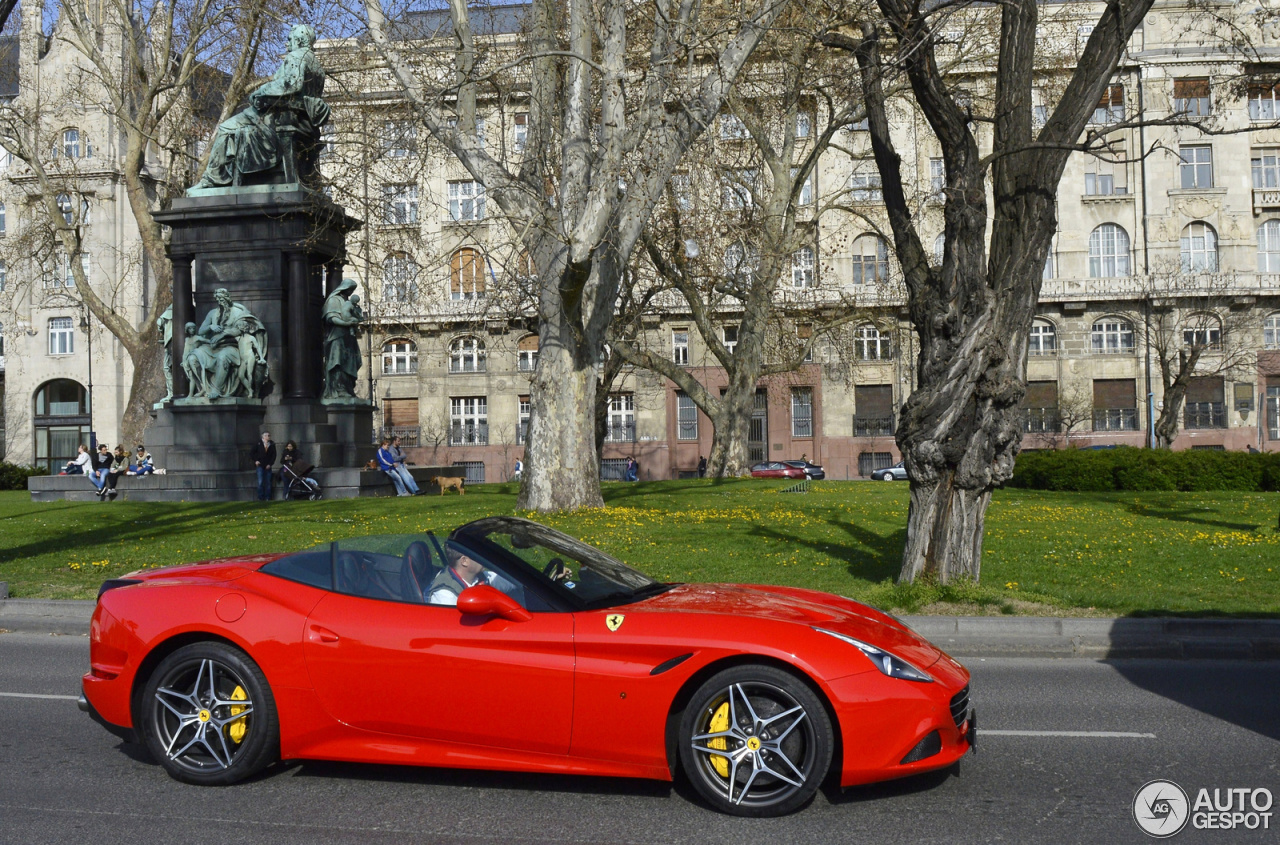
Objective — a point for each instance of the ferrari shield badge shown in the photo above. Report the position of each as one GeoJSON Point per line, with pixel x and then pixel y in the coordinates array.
{"type": "Point", "coordinates": [614, 621]}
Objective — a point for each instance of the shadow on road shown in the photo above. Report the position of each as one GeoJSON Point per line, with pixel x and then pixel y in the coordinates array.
{"type": "Point", "coordinates": [1240, 692]}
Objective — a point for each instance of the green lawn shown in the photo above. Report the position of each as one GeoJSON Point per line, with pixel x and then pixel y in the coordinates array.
{"type": "Point", "coordinates": [1076, 553]}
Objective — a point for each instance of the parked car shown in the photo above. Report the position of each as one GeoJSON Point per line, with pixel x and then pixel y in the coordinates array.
{"type": "Point", "coordinates": [897, 472]}
{"type": "Point", "coordinates": [563, 659]}
{"type": "Point", "coordinates": [776, 469]}
{"type": "Point", "coordinates": [811, 471]}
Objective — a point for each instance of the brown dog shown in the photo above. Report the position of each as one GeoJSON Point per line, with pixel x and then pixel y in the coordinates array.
{"type": "Point", "coordinates": [445, 482]}
{"type": "Point", "coordinates": [371, 465]}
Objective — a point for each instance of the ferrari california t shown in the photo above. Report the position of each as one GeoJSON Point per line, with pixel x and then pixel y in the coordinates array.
{"type": "Point", "coordinates": [565, 659]}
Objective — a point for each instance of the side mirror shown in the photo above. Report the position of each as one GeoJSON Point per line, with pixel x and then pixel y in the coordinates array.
{"type": "Point", "coordinates": [484, 600]}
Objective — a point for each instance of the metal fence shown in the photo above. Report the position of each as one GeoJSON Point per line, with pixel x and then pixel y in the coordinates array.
{"type": "Point", "coordinates": [613, 469]}
{"type": "Point", "coordinates": [474, 471]}
{"type": "Point", "coordinates": [873, 426]}
{"type": "Point", "coordinates": [1040, 420]}
{"type": "Point", "coordinates": [1205, 415]}
{"type": "Point", "coordinates": [408, 434]}
{"type": "Point", "coordinates": [621, 433]}
{"type": "Point", "coordinates": [869, 462]}
{"type": "Point", "coordinates": [476, 434]}
{"type": "Point", "coordinates": [1115, 419]}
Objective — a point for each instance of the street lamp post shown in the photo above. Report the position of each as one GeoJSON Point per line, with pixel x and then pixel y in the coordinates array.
{"type": "Point", "coordinates": [88, 333]}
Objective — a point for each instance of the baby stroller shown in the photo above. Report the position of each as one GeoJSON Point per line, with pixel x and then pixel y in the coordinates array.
{"type": "Point", "coordinates": [297, 481]}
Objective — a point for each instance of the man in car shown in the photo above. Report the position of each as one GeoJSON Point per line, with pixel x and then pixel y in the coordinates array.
{"type": "Point", "coordinates": [463, 572]}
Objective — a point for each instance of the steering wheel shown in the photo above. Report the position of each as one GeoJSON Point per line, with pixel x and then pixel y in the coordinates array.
{"type": "Point", "coordinates": [556, 570]}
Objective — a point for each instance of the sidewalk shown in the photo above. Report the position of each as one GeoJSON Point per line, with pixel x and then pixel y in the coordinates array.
{"type": "Point", "coordinates": [961, 636]}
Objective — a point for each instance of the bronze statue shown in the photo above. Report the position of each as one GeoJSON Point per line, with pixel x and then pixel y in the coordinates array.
{"type": "Point", "coordinates": [227, 356]}
{"type": "Point", "coordinates": [342, 317]}
{"type": "Point", "coordinates": [276, 140]}
{"type": "Point", "coordinates": [164, 328]}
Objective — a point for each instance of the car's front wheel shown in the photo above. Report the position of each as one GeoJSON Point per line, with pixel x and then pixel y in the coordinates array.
{"type": "Point", "coordinates": [755, 741]}
{"type": "Point", "coordinates": [888, 476]}
{"type": "Point", "coordinates": [208, 715]}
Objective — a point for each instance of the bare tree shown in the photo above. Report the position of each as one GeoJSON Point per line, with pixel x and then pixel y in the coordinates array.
{"type": "Point", "coordinates": [617, 91]}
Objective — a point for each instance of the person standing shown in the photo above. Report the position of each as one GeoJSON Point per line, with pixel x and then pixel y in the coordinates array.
{"type": "Point", "coordinates": [633, 469]}
{"type": "Point", "coordinates": [702, 466]}
{"type": "Point", "coordinates": [264, 457]}
{"type": "Point", "coordinates": [519, 471]}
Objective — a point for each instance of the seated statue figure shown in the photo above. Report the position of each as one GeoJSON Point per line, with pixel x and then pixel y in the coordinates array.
{"type": "Point", "coordinates": [247, 147]}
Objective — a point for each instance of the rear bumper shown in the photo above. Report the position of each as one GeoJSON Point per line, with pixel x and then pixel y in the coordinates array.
{"type": "Point", "coordinates": [86, 706]}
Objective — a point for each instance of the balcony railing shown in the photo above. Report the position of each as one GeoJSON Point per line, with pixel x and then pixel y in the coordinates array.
{"type": "Point", "coordinates": [1040, 420]}
{"type": "Point", "coordinates": [873, 426]}
{"type": "Point", "coordinates": [1115, 419]}
{"type": "Point", "coordinates": [621, 433]}
{"type": "Point", "coordinates": [469, 434]}
{"type": "Point", "coordinates": [1205, 415]}
{"type": "Point", "coordinates": [466, 365]}
{"type": "Point", "coordinates": [408, 434]}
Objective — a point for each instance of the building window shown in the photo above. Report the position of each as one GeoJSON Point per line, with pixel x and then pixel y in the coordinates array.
{"type": "Point", "coordinates": [466, 200]}
{"type": "Point", "coordinates": [1265, 164]}
{"type": "Point", "coordinates": [1203, 330]}
{"type": "Point", "coordinates": [864, 182]}
{"type": "Point", "coordinates": [686, 417]}
{"type": "Point", "coordinates": [937, 178]}
{"type": "Point", "coordinates": [802, 412]}
{"type": "Point", "coordinates": [873, 410]}
{"type": "Point", "coordinates": [939, 249]}
{"type": "Point", "coordinates": [804, 336]}
{"type": "Point", "coordinates": [870, 345]}
{"type": "Point", "coordinates": [1110, 108]}
{"type": "Point", "coordinates": [1043, 339]}
{"type": "Point", "coordinates": [400, 204]}
{"type": "Point", "coordinates": [523, 411]}
{"type": "Point", "coordinates": [802, 262]}
{"type": "Point", "coordinates": [527, 353]}
{"type": "Point", "coordinates": [61, 422]}
{"type": "Point", "coordinates": [62, 336]}
{"type": "Point", "coordinates": [61, 274]}
{"type": "Point", "coordinates": [680, 345]}
{"type": "Point", "coordinates": [1108, 252]}
{"type": "Point", "coordinates": [1271, 331]}
{"type": "Point", "coordinates": [467, 355]}
{"type": "Point", "coordinates": [739, 188]}
{"type": "Point", "coordinates": [1050, 264]}
{"type": "Point", "coordinates": [732, 127]}
{"type": "Point", "coordinates": [804, 124]}
{"type": "Point", "coordinates": [1115, 405]}
{"type": "Point", "coordinates": [1191, 97]}
{"type": "Point", "coordinates": [2, 219]}
{"type": "Point", "coordinates": [74, 145]}
{"type": "Point", "coordinates": [681, 188]}
{"type": "Point", "coordinates": [869, 462]}
{"type": "Point", "coordinates": [328, 141]}
{"type": "Point", "coordinates": [468, 421]}
{"type": "Point", "coordinates": [1040, 407]}
{"type": "Point", "coordinates": [399, 357]}
{"type": "Point", "coordinates": [741, 261]}
{"type": "Point", "coordinates": [806, 189]}
{"type": "Point", "coordinates": [399, 278]}
{"type": "Point", "coordinates": [466, 274]}
{"type": "Point", "coordinates": [1197, 167]}
{"type": "Point", "coordinates": [1273, 412]}
{"type": "Point", "coordinates": [520, 131]}
{"type": "Point", "coordinates": [870, 260]}
{"type": "Point", "coordinates": [68, 209]}
{"type": "Point", "coordinates": [4, 274]}
{"type": "Point", "coordinates": [400, 419]}
{"type": "Point", "coordinates": [1104, 178]}
{"type": "Point", "coordinates": [1262, 102]}
{"type": "Point", "coordinates": [1199, 249]}
{"type": "Point", "coordinates": [1113, 336]}
{"type": "Point", "coordinates": [399, 138]}
{"type": "Point", "coordinates": [1205, 403]}
{"type": "Point", "coordinates": [620, 424]}
{"type": "Point", "coordinates": [730, 335]}
{"type": "Point", "coordinates": [1269, 247]}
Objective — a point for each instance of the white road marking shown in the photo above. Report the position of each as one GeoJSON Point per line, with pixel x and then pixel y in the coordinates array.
{"type": "Point", "coordinates": [1103, 734]}
{"type": "Point", "coordinates": [38, 695]}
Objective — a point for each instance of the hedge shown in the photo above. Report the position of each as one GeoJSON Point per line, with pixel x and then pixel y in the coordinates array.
{"type": "Point", "coordinates": [14, 476]}
{"type": "Point", "coordinates": [1127, 468]}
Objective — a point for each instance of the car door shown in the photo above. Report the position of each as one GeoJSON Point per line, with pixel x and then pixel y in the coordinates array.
{"type": "Point", "coordinates": [432, 672]}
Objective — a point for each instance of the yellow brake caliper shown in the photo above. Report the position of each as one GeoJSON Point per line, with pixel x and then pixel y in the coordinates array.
{"type": "Point", "coordinates": [236, 729]}
{"type": "Point", "coordinates": [719, 722]}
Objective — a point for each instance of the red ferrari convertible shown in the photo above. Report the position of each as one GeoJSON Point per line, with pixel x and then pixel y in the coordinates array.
{"type": "Point", "coordinates": [562, 658]}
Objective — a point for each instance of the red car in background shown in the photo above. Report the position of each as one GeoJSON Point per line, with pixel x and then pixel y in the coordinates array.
{"type": "Point", "coordinates": [565, 659]}
{"type": "Point", "coordinates": [776, 469]}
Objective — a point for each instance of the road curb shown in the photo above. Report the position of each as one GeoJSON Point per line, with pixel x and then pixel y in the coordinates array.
{"type": "Point", "coordinates": [962, 636]}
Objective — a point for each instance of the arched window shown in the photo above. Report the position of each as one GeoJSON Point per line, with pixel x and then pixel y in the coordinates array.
{"type": "Point", "coordinates": [1108, 252]}
{"type": "Point", "coordinates": [399, 357]}
{"type": "Point", "coordinates": [1271, 331]}
{"type": "Point", "coordinates": [939, 248]}
{"type": "Point", "coordinates": [399, 278]}
{"type": "Point", "coordinates": [741, 261]}
{"type": "Point", "coordinates": [870, 260]}
{"type": "Point", "coordinates": [61, 422]}
{"type": "Point", "coordinates": [1203, 330]}
{"type": "Point", "coordinates": [70, 143]}
{"type": "Point", "coordinates": [1112, 335]}
{"type": "Point", "coordinates": [802, 267]}
{"type": "Point", "coordinates": [527, 353]}
{"type": "Point", "coordinates": [466, 274]}
{"type": "Point", "coordinates": [1269, 247]}
{"type": "Point", "coordinates": [1199, 248]}
{"type": "Point", "coordinates": [869, 344]}
{"type": "Point", "coordinates": [1043, 339]}
{"type": "Point", "coordinates": [466, 355]}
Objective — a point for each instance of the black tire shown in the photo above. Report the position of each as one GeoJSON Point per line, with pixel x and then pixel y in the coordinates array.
{"type": "Point", "coordinates": [770, 758]}
{"type": "Point", "coordinates": [888, 476]}
{"type": "Point", "coordinates": [193, 724]}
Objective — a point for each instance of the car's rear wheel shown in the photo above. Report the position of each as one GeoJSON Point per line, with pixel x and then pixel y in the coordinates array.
{"type": "Point", "coordinates": [755, 741]}
{"type": "Point", "coordinates": [208, 715]}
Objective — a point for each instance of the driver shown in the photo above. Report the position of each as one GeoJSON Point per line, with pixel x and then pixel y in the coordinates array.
{"type": "Point", "coordinates": [462, 572]}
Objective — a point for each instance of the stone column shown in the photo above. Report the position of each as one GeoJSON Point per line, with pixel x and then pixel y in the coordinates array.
{"type": "Point", "coordinates": [183, 312]}
{"type": "Point", "coordinates": [333, 275]}
{"type": "Point", "coordinates": [299, 330]}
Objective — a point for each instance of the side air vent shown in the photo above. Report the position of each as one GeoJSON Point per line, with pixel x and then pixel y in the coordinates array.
{"type": "Point", "coordinates": [926, 747]}
{"type": "Point", "coordinates": [960, 706]}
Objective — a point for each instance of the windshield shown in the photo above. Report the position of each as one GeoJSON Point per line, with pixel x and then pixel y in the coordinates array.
{"type": "Point", "coordinates": [571, 567]}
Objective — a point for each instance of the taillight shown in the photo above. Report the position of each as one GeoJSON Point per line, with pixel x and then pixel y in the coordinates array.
{"type": "Point", "coordinates": [112, 583]}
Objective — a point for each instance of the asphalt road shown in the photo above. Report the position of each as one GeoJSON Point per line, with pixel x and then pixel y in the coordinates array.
{"type": "Point", "coordinates": [1207, 724]}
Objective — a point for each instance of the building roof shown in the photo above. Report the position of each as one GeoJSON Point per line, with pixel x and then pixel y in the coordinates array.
{"type": "Point", "coordinates": [488, 19]}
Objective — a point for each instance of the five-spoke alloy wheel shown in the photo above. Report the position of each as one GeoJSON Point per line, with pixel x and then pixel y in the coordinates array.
{"type": "Point", "coordinates": [208, 715]}
{"type": "Point", "coordinates": [755, 741]}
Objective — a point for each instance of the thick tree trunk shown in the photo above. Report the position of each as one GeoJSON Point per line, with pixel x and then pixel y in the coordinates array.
{"type": "Point", "coordinates": [560, 453]}
{"type": "Point", "coordinates": [146, 389]}
{"type": "Point", "coordinates": [731, 427]}
{"type": "Point", "coordinates": [944, 530]}
{"type": "Point", "coordinates": [1167, 426]}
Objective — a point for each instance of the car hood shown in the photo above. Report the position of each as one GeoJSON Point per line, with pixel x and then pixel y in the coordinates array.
{"type": "Point", "coordinates": [802, 607]}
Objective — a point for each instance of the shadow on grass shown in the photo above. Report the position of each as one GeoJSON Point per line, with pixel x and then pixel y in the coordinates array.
{"type": "Point", "coordinates": [874, 558]}
{"type": "Point", "coordinates": [1192, 515]}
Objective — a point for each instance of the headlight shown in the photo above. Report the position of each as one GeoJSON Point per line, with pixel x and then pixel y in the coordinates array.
{"type": "Point", "coordinates": [889, 664]}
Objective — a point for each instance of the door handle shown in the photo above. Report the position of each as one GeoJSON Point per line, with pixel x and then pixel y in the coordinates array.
{"type": "Point", "coordinates": [320, 634]}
